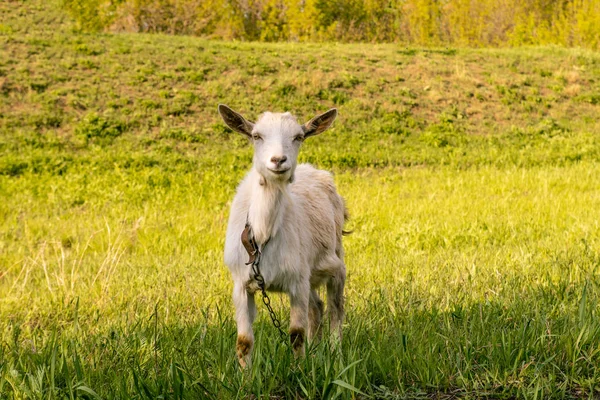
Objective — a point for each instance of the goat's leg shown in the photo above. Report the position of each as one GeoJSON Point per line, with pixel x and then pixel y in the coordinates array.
{"type": "Point", "coordinates": [335, 299]}
{"type": "Point", "coordinates": [245, 311]}
{"type": "Point", "coordinates": [334, 267]}
{"type": "Point", "coordinates": [299, 299]}
{"type": "Point", "coordinates": [315, 314]}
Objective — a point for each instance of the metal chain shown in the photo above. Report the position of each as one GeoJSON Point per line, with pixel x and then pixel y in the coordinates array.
{"type": "Point", "coordinates": [265, 298]}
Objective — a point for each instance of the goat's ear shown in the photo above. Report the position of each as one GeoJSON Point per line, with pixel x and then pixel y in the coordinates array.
{"type": "Point", "coordinates": [235, 121]}
{"type": "Point", "coordinates": [320, 123]}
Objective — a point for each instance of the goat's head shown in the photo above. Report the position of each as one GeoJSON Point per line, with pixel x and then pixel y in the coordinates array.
{"type": "Point", "coordinates": [277, 139]}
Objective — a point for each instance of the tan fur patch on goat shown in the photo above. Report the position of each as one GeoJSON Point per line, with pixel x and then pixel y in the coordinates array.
{"type": "Point", "coordinates": [243, 346]}
{"type": "Point", "coordinates": [297, 338]}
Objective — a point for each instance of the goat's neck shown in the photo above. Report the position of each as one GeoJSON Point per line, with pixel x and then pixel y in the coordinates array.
{"type": "Point", "coordinates": [267, 205]}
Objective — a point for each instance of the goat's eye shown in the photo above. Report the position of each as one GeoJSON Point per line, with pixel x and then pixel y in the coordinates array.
{"type": "Point", "coordinates": [256, 137]}
{"type": "Point", "coordinates": [299, 138]}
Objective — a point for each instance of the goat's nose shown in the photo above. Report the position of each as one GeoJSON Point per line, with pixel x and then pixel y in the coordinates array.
{"type": "Point", "coordinates": [278, 160]}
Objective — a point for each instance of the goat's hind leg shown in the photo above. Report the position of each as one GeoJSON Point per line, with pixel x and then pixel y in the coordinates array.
{"type": "Point", "coordinates": [315, 315]}
{"type": "Point", "coordinates": [335, 299]}
{"type": "Point", "coordinates": [245, 312]}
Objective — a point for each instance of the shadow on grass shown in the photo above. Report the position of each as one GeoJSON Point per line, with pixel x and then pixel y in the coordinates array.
{"type": "Point", "coordinates": [545, 344]}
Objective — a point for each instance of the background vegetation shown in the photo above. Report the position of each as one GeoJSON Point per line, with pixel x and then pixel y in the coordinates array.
{"type": "Point", "coordinates": [472, 177]}
{"type": "Point", "coordinates": [410, 22]}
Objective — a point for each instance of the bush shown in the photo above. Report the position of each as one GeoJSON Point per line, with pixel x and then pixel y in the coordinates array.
{"type": "Point", "coordinates": [99, 130]}
{"type": "Point", "coordinates": [419, 22]}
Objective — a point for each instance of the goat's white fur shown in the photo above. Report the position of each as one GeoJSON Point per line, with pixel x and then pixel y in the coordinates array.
{"type": "Point", "coordinates": [299, 209]}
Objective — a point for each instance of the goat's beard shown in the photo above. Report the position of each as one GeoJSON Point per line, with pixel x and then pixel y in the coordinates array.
{"type": "Point", "coordinates": [279, 180]}
{"type": "Point", "coordinates": [267, 177]}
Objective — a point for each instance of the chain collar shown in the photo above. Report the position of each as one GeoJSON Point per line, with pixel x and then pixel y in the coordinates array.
{"type": "Point", "coordinates": [249, 243]}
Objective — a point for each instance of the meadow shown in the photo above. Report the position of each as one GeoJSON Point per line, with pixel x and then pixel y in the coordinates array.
{"type": "Point", "coordinates": [472, 178]}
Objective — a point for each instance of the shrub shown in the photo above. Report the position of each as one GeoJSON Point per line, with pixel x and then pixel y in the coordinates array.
{"type": "Point", "coordinates": [99, 130]}
{"type": "Point", "coordinates": [420, 22]}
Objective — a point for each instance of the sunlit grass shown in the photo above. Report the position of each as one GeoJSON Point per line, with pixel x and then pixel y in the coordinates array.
{"type": "Point", "coordinates": [471, 176]}
{"type": "Point", "coordinates": [479, 281]}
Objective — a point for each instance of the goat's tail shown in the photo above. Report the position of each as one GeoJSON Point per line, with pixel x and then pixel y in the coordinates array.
{"type": "Point", "coordinates": [346, 218]}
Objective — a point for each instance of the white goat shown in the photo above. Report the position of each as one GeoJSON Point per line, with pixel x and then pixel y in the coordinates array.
{"type": "Point", "coordinates": [297, 210]}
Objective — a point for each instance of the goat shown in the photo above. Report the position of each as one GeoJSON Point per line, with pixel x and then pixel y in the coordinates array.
{"type": "Point", "coordinates": [297, 210]}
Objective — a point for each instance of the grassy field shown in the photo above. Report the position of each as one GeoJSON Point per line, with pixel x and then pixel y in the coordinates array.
{"type": "Point", "coordinates": [472, 178]}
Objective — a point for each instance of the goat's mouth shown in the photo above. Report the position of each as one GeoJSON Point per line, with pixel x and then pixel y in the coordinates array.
{"type": "Point", "coordinates": [279, 171]}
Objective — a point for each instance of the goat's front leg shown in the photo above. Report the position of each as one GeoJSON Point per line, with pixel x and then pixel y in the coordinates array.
{"type": "Point", "coordinates": [299, 298]}
{"type": "Point", "coordinates": [245, 311]}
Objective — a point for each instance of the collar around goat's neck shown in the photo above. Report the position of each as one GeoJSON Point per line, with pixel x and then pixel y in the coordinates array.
{"type": "Point", "coordinates": [249, 242]}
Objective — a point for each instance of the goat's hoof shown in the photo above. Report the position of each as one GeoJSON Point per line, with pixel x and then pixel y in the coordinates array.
{"type": "Point", "coordinates": [245, 362]}
{"type": "Point", "coordinates": [297, 341]}
{"type": "Point", "coordinates": [243, 348]}
{"type": "Point", "coordinates": [335, 340]}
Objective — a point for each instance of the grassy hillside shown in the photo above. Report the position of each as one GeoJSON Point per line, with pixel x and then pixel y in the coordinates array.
{"type": "Point", "coordinates": [471, 176]}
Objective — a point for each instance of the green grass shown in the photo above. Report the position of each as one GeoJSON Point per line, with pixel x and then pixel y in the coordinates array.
{"type": "Point", "coordinates": [472, 178]}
